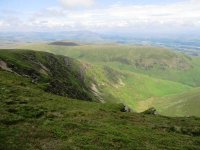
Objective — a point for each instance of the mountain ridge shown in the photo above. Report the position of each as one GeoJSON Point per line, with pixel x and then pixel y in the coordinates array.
{"type": "Point", "coordinates": [157, 62]}
{"type": "Point", "coordinates": [58, 74]}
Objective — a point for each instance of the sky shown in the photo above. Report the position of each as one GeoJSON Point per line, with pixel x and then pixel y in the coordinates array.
{"type": "Point", "coordinates": [141, 16]}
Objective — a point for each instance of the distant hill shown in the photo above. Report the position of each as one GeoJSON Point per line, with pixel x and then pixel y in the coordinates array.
{"type": "Point", "coordinates": [8, 39]}
{"type": "Point", "coordinates": [156, 62]}
{"type": "Point", "coordinates": [64, 43]}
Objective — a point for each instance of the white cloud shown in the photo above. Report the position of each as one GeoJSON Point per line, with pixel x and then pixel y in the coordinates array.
{"type": "Point", "coordinates": [130, 17]}
{"type": "Point", "coordinates": [3, 24]}
{"type": "Point", "coordinates": [76, 3]}
{"type": "Point", "coordinates": [175, 15]}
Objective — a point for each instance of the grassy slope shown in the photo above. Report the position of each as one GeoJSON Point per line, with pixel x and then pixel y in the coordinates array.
{"type": "Point", "coordinates": [166, 64]}
{"type": "Point", "coordinates": [33, 119]}
{"type": "Point", "coordinates": [185, 104]}
{"type": "Point", "coordinates": [131, 88]}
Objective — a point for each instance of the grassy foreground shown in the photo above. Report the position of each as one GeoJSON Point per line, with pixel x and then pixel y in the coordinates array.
{"type": "Point", "coordinates": [33, 119]}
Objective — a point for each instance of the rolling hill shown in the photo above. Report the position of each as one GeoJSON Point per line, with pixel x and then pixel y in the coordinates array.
{"type": "Point", "coordinates": [156, 62]}
{"type": "Point", "coordinates": [147, 75]}
{"type": "Point", "coordinates": [80, 80]}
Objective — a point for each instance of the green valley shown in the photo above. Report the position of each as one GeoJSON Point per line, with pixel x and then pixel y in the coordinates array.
{"type": "Point", "coordinates": [140, 73]}
{"type": "Point", "coordinates": [153, 61]}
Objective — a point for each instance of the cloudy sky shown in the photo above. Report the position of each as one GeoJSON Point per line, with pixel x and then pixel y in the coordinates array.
{"type": "Point", "coordinates": [100, 15]}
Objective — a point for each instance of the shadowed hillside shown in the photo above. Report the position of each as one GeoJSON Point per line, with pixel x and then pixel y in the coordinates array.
{"type": "Point", "coordinates": [56, 74]}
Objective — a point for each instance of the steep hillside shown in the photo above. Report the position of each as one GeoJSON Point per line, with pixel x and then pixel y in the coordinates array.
{"type": "Point", "coordinates": [33, 119]}
{"type": "Point", "coordinates": [185, 104]}
{"type": "Point", "coordinates": [156, 62]}
{"type": "Point", "coordinates": [56, 74]}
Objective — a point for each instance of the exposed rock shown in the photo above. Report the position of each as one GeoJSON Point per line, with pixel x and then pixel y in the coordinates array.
{"type": "Point", "coordinates": [97, 93]}
{"type": "Point", "coordinates": [151, 111]}
{"type": "Point", "coordinates": [44, 70]}
{"type": "Point", "coordinates": [4, 66]}
{"type": "Point", "coordinates": [126, 109]}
